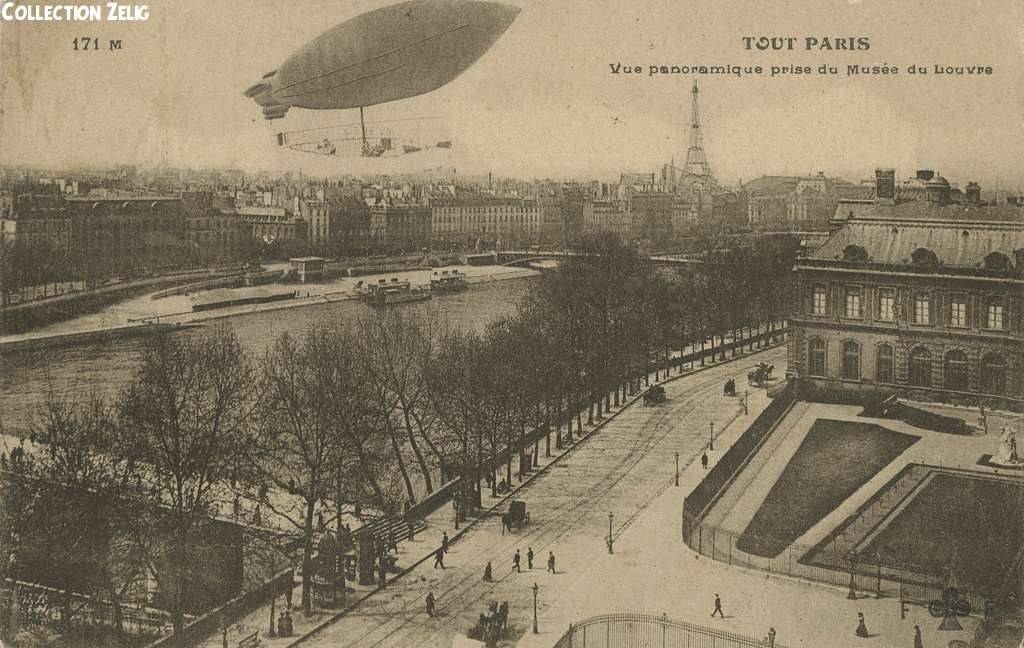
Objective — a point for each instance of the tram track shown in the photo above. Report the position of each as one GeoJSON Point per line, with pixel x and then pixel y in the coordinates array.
{"type": "Point", "coordinates": [452, 590]}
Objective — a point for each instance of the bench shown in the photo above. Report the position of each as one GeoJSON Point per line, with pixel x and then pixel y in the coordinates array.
{"type": "Point", "coordinates": [250, 641]}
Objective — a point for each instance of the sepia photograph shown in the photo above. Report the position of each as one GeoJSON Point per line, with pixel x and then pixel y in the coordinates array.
{"type": "Point", "coordinates": [512, 324]}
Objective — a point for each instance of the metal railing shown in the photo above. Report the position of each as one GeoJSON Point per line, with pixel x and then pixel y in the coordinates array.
{"type": "Point", "coordinates": [866, 575]}
{"type": "Point", "coordinates": [636, 630]}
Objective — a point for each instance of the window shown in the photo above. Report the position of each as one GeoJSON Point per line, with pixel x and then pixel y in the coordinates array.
{"type": "Point", "coordinates": [816, 357]}
{"type": "Point", "coordinates": [818, 304]}
{"type": "Point", "coordinates": [956, 370]}
{"type": "Point", "coordinates": [884, 364]}
{"type": "Point", "coordinates": [853, 301]}
{"type": "Point", "coordinates": [886, 304]}
{"type": "Point", "coordinates": [995, 314]}
{"type": "Point", "coordinates": [921, 304]}
{"type": "Point", "coordinates": [920, 373]}
{"type": "Point", "coordinates": [957, 311]}
{"type": "Point", "coordinates": [851, 361]}
{"type": "Point", "coordinates": [993, 374]}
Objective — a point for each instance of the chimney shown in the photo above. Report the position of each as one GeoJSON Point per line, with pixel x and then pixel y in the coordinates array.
{"type": "Point", "coordinates": [924, 175]}
{"type": "Point", "coordinates": [973, 191]}
{"type": "Point", "coordinates": [885, 186]}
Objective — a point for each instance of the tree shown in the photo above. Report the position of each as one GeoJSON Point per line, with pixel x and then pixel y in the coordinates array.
{"type": "Point", "coordinates": [184, 416]}
{"type": "Point", "coordinates": [308, 390]}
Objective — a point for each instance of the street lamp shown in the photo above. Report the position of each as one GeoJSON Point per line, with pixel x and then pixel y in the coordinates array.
{"type": "Point", "coordinates": [711, 437]}
{"type": "Point", "coordinates": [611, 516]}
{"type": "Point", "coordinates": [677, 469]}
{"type": "Point", "coordinates": [852, 594]}
{"type": "Point", "coordinates": [745, 410]}
{"type": "Point", "coordinates": [535, 588]}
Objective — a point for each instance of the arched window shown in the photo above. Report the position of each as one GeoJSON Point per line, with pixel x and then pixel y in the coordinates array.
{"type": "Point", "coordinates": [855, 253]}
{"type": "Point", "coordinates": [993, 374]}
{"type": "Point", "coordinates": [816, 357]}
{"type": "Point", "coordinates": [956, 370]}
{"type": "Point", "coordinates": [851, 360]}
{"type": "Point", "coordinates": [920, 373]}
{"type": "Point", "coordinates": [924, 257]}
{"type": "Point", "coordinates": [997, 262]}
{"type": "Point", "coordinates": [884, 364]}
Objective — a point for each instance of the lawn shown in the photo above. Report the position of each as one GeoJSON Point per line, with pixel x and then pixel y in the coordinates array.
{"type": "Point", "coordinates": [973, 526]}
{"type": "Point", "coordinates": [834, 460]}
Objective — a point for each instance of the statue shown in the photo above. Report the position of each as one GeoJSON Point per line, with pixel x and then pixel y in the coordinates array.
{"type": "Point", "coordinates": [1007, 453]}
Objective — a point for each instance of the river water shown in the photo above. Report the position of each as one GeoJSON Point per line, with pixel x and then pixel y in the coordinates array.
{"type": "Point", "coordinates": [26, 376]}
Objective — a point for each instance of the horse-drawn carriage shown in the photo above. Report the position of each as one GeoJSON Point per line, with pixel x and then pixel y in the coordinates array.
{"type": "Point", "coordinates": [516, 516]}
{"type": "Point", "coordinates": [760, 374]}
{"type": "Point", "coordinates": [654, 395]}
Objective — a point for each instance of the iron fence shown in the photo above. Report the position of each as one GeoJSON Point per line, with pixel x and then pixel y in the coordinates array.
{"type": "Point", "coordinates": [866, 575]}
{"type": "Point", "coordinates": [636, 630]}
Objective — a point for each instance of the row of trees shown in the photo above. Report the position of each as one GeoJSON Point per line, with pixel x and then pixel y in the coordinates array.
{"type": "Point", "coordinates": [360, 419]}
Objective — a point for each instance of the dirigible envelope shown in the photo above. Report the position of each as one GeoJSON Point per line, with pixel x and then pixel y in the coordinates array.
{"type": "Point", "coordinates": [395, 52]}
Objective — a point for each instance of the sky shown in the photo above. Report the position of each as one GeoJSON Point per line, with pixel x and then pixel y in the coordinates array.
{"type": "Point", "coordinates": [543, 101]}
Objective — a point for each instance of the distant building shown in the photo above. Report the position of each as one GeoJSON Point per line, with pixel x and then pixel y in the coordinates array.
{"type": "Point", "coordinates": [516, 221]}
{"type": "Point", "coordinates": [271, 224]}
{"type": "Point", "coordinates": [916, 296]}
{"type": "Point", "coordinates": [398, 223]}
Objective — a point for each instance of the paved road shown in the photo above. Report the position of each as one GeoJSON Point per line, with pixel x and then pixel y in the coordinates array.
{"type": "Point", "coordinates": [620, 469]}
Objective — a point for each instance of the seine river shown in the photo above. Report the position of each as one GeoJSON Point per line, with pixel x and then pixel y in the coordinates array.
{"type": "Point", "coordinates": [25, 377]}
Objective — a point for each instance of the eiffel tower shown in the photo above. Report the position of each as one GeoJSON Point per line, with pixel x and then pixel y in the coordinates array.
{"type": "Point", "coordinates": [696, 161]}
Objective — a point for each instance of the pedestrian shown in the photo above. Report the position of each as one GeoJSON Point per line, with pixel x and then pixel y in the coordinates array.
{"type": "Point", "coordinates": [862, 628]}
{"type": "Point", "coordinates": [551, 562]}
{"type": "Point", "coordinates": [430, 604]}
{"type": "Point", "coordinates": [439, 558]}
{"type": "Point", "coordinates": [918, 642]}
{"type": "Point", "coordinates": [383, 571]}
{"type": "Point", "coordinates": [487, 573]}
{"type": "Point", "coordinates": [444, 542]}
{"type": "Point", "coordinates": [704, 460]}
{"type": "Point", "coordinates": [771, 637]}
{"type": "Point", "coordinates": [529, 558]}
{"type": "Point", "coordinates": [718, 607]}
{"type": "Point", "coordinates": [515, 562]}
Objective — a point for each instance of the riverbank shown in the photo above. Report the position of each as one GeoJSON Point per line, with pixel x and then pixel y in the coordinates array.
{"type": "Point", "coordinates": [133, 316]}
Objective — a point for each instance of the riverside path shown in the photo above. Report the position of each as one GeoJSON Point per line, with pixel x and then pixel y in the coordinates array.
{"type": "Point", "coordinates": [618, 469]}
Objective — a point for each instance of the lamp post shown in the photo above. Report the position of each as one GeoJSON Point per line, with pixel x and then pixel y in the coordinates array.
{"type": "Point", "coordinates": [677, 469]}
{"type": "Point", "coordinates": [852, 594]}
{"type": "Point", "coordinates": [535, 589]}
{"type": "Point", "coordinates": [611, 516]}
{"type": "Point", "coordinates": [745, 410]}
{"type": "Point", "coordinates": [711, 437]}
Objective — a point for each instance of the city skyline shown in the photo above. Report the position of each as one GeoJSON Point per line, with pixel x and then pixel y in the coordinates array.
{"type": "Point", "coordinates": [174, 95]}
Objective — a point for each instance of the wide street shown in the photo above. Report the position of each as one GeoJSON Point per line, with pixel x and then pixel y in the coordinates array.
{"type": "Point", "coordinates": [620, 469]}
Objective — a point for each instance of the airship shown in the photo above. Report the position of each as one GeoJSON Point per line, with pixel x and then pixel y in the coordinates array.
{"type": "Point", "coordinates": [395, 52]}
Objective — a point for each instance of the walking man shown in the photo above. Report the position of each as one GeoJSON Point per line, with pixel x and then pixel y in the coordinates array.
{"type": "Point", "coordinates": [430, 604]}
{"type": "Point", "coordinates": [704, 460]}
{"type": "Point", "coordinates": [918, 641]}
{"type": "Point", "coordinates": [439, 558]}
{"type": "Point", "coordinates": [718, 607]}
{"type": "Point", "coordinates": [529, 558]}
{"type": "Point", "coordinates": [488, 577]}
{"type": "Point", "coordinates": [771, 637]}
{"type": "Point", "coordinates": [551, 562]}
{"type": "Point", "coordinates": [515, 562]}
{"type": "Point", "coordinates": [444, 542]}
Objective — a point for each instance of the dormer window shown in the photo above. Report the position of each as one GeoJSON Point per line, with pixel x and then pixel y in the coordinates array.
{"type": "Point", "coordinates": [924, 257]}
{"type": "Point", "coordinates": [997, 262]}
{"type": "Point", "coordinates": [855, 254]}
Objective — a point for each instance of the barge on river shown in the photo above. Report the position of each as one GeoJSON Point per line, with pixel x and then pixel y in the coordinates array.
{"type": "Point", "coordinates": [388, 292]}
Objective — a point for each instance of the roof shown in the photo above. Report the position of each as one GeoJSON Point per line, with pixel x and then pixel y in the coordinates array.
{"type": "Point", "coordinates": [956, 243]}
{"type": "Point", "coordinates": [772, 185]}
{"type": "Point", "coordinates": [930, 211]}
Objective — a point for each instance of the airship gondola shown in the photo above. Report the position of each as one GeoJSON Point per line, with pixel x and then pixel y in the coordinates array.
{"type": "Point", "coordinates": [395, 52]}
